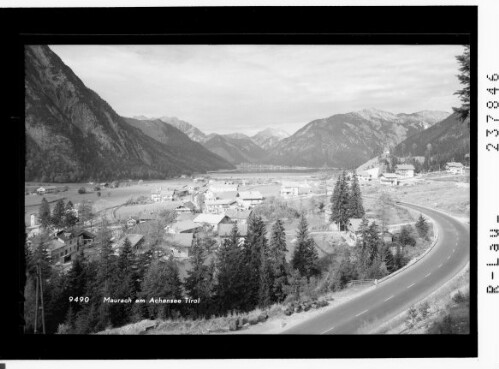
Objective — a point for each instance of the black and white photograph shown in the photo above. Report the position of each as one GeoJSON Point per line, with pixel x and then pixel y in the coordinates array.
{"type": "Point", "coordinates": [247, 189]}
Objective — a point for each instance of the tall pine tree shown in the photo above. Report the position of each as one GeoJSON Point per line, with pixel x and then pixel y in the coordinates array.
{"type": "Point", "coordinates": [305, 256]}
{"type": "Point", "coordinates": [58, 214]}
{"type": "Point", "coordinates": [356, 209]}
{"type": "Point", "coordinates": [277, 260]}
{"type": "Point", "coordinates": [254, 243]}
{"type": "Point", "coordinates": [44, 213]}
{"type": "Point", "coordinates": [198, 282]}
{"type": "Point", "coordinates": [340, 200]}
{"type": "Point", "coordinates": [230, 274]}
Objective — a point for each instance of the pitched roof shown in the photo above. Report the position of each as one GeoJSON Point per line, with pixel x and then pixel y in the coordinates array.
{"type": "Point", "coordinates": [180, 239]}
{"type": "Point", "coordinates": [390, 175]}
{"type": "Point", "coordinates": [133, 238]}
{"type": "Point", "coordinates": [250, 195]}
{"type": "Point", "coordinates": [220, 202]}
{"type": "Point", "coordinates": [405, 167]}
{"type": "Point", "coordinates": [226, 229]}
{"type": "Point", "coordinates": [238, 214]}
{"type": "Point", "coordinates": [226, 195]}
{"type": "Point", "coordinates": [209, 218]}
{"type": "Point", "coordinates": [190, 205]}
{"type": "Point", "coordinates": [184, 225]}
{"type": "Point", "coordinates": [455, 164]}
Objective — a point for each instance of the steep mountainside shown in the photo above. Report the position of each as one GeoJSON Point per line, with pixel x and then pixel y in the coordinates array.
{"type": "Point", "coordinates": [345, 140]}
{"type": "Point", "coordinates": [74, 135]}
{"type": "Point", "coordinates": [448, 140]}
{"type": "Point", "coordinates": [175, 138]}
{"type": "Point", "coordinates": [194, 133]}
{"type": "Point", "coordinates": [268, 138]}
{"type": "Point", "coordinates": [235, 150]}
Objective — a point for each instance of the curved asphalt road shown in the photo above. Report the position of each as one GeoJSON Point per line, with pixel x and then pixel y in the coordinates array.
{"type": "Point", "coordinates": [395, 294]}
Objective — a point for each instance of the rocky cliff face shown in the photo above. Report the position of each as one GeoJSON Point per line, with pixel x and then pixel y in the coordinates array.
{"type": "Point", "coordinates": [73, 135]}
{"type": "Point", "coordinates": [345, 140]}
{"type": "Point", "coordinates": [194, 133]}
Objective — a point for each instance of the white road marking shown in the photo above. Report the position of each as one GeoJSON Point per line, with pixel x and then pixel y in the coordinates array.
{"type": "Point", "coordinates": [448, 257]}
{"type": "Point", "coordinates": [389, 298]}
{"type": "Point", "coordinates": [453, 250]}
{"type": "Point", "coordinates": [427, 275]}
{"type": "Point", "coordinates": [411, 285]}
{"type": "Point", "coordinates": [439, 265]}
{"type": "Point", "coordinates": [330, 329]}
{"type": "Point", "coordinates": [365, 311]}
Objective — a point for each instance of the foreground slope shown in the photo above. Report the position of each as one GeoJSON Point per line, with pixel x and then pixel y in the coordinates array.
{"type": "Point", "coordinates": [73, 135]}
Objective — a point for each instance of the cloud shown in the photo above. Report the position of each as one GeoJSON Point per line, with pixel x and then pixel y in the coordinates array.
{"type": "Point", "coordinates": [245, 88]}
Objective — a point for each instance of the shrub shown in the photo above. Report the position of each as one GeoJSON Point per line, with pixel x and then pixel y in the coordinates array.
{"type": "Point", "coordinates": [98, 194]}
{"type": "Point", "coordinates": [82, 190]}
{"type": "Point", "coordinates": [459, 297]}
{"type": "Point", "coordinates": [424, 309]}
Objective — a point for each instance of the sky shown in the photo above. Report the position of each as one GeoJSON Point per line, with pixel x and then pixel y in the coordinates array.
{"type": "Point", "coordinates": [247, 88]}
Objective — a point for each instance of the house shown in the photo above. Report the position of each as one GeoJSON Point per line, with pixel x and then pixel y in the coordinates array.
{"type": "Point", "coordinates": [212, 220]}
{"type": "Point", "coordinates": [104, 184]}
{"type": "Point", "coordinates": [184, 226]}
{"type": "Point", "coordinates": [249, 199]}
{"type": "Point", "coordinates": [131, 221]}
{"type": "Point", "coordinates": [162, 195]}
{"type": "Point", "coordinates": [364, 176]}
{"type": "Point", "coordinates": [389, 179]}
{"type": "Point", "coordinates": [179, 193]}
{"type": "Point", "coordinates": [191, 206]}
{"type": "Point", "coordinates": [136, 240]}
{"type": "Point", "coordinates": [46, 189]}
{"type": "Point", "coordinates": [405, 170]}
{"type": "Point", "coordinates": [183, 209]}
{"type": "Point", "coordinates": [288, 191]}
{"type": "Point", "coordinates": [180, 244]}
{"type": "Point", "coordinates": [373, 172]}
{"type": "Point", "coordinates": [454, 168]}
{"type": "Point", "coordinates": [238, 216]}
{"type": "Point", "coordinates": [213, 206]}
{"type": "Point", "coordinates": [64, 246]}
{"type": "Point", "coordinates": [387, 237]}
{"type": "Point", "coordinates": [222, 187]}
{"type": "Point", "coordinates": [225, 232]}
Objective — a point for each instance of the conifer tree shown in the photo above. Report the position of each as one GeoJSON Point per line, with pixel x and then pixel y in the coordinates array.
{"type": "Point", "coordinates": [305, 256]}
{"type": "Point", "coordinates": [198, 281]}
{"type": "Point", "coordinates": [277, 259]}
{"type": "Point", "coordinates": [356, 210]}
{"type": "Point", "coordinates": [58, 214]}
{"type": "Point", "coordinates": [254, 243]}
{"type": "Point", "coordinates": [44, 213]}
{"type": "Point", "coordinates": [76, 280]}
{"type": "Point", "coordinates": [125, 284]}
{"type": "Point", "coordinates": [162, 280]}
{"type": "Point", "coordinates": [230, 274]}
{"type": "Point", "coordinates": [422, 227]}
{"type": "Point", "coordinates": [70, 218]}
{"type": "Point", "coordinates": [463, 111]}
{"type": "Point", "coordinates": [341, 202]}
{"type": "Point", "coordinates": [264, 291]}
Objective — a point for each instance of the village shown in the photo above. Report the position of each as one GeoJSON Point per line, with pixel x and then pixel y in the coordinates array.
{"type": "Point", "coordinates": [209, 206]}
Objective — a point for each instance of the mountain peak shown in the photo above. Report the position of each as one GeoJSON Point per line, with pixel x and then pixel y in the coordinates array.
{"type": "Point", "coordinates": [373, 113]}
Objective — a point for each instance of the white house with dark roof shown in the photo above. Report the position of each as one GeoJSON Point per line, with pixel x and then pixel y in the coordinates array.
{"type": "Point", "coordinates": [454, 168]}
{"type": "Point", "coordinates": [405, 170]}
{"type": "Point", "coordinates": [213, 220]}
{"type": "Point", "coordinates": [249, 199]}
{"type": "Point", "coordinates": [389, 179]}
